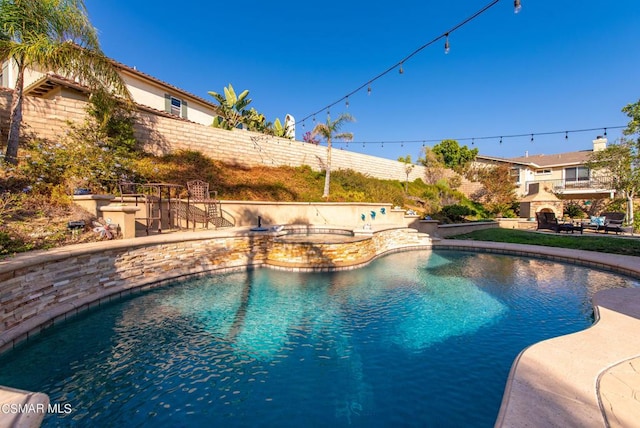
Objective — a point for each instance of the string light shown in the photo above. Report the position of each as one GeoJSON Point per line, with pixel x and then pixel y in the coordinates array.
{"type": "Point", "coordinates": [446, 43]}
{"type": "Point", "coordinates": [566, 135]}
{"type": "Point", "coordinates": [605, 132]}
{"type": "Point", "coordinates": [399, 65]}
{"type": "Point", "coordinates": [516, 6]}
{"type": "Point", "coordinates": [346, 102]}
{"type": "Point", "coordinates": [500, 137]}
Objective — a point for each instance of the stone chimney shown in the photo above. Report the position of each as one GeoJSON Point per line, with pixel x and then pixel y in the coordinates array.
{"type": "Point", "coordinates": [600, 143]}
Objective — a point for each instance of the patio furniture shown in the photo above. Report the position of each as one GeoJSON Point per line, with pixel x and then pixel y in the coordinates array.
{"type": "Point", "coordinates": [138, 192]}
{"type": "Point", "coordinates": [608, 222]}
{"type": "Point", "coordinates": [613, 222]}
{"type": "Point", "coordinates": [211, 208]}
{"type": "Point", "coordinates": [156, 192]}
{"type": "Point", "coordinates": [548, 220]}
{"type": "Point", "coordinates": [595, 223]}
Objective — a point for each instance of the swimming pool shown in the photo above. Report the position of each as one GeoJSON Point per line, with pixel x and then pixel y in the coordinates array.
{"type": "Point", "coordinates": [413, 339]}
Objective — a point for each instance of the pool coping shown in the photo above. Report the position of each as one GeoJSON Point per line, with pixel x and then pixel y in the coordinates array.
{"type": "Point", "coordinates": [589, 378]}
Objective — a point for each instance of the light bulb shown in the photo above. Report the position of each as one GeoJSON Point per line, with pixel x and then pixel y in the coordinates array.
{"type": "Point", "coordinates": [369, 90]}
{"type": "Point", "coordinates": [446, 44]}
{"type": "Point", "coordinates": [401, 70]}
{"type": "Point", "coordinates": [516, 6]}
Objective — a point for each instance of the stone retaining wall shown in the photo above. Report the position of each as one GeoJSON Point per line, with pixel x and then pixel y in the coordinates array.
{"type": "Point", "coordinates": [40, 288]}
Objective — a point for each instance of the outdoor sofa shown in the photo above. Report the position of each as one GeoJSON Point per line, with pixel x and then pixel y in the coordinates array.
{"type": "Point", "coordinates": [607, 222]}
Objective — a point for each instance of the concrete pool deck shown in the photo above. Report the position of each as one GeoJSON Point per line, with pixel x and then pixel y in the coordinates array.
{"type": "Point", "coordinates": [586, 379]}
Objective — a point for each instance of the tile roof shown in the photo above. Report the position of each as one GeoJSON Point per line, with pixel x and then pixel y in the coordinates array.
{"type": "Point", "coordinates": [49, 81]}
{"type": "Point", "coordinates": [541, 160]}
{"type": "Point", "coordinates": [560, 159]}
{"type": "Point", "coordinates": [157, 81]}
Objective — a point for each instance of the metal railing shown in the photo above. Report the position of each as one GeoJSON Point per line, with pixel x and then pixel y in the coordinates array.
{"type": "Point", "coordinates": [598, 184]}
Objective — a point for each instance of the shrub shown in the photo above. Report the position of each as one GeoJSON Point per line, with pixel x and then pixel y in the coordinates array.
{"type": "Point", "coordinates": [573, 210]}
{"type": "Point", "coordinates": [456, 213]}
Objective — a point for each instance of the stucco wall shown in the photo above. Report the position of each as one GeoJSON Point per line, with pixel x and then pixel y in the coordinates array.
{"type": "Point", "coordinates": [245, 213]}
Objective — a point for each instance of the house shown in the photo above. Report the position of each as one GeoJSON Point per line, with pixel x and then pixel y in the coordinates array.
{"type": "Point", "coordinates": [147, 91]}
{"type": "Point", "coordinates": [565, 174]}
{"type": "Point", "coordinates": [545, 181]}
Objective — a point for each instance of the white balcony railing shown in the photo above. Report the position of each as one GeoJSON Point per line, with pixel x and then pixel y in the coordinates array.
{"type": "Point", "coordinates": [599, 185]}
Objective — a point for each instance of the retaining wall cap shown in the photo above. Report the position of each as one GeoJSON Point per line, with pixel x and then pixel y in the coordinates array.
{"type": "Point", "coordinates": [119, 208]}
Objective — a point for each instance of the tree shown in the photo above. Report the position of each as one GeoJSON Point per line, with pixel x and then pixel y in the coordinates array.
{"type": "Point", "coordinates": [498, 191]}
{"type": "Point", "coordinates": [434, 166]}
{"type": "Point", "coordinates": [331, 131]}
{"type": "Point", "coordinates": [232, 108]}
{"type": "Point", "coordinates": [309, 138]}
{"type": "Point", "coordinates": [622, 160]}
{"type": "Point", "coordinates": [408, 167]}
{"type": "Point", "coordinates": [455, 157]}
{"type": "Point", "coordinates": [55, 35]}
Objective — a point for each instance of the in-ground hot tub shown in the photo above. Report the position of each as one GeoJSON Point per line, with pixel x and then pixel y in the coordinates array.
{"type": "Point", "coordinates": [311, 248]}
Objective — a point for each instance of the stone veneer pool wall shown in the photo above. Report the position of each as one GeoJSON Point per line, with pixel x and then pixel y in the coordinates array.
{"type": "Point", "coordinates": [41, 288]}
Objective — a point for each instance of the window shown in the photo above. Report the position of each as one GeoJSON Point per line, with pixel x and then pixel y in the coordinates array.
{"type": "Point", "coordinates": [543, 171]}
{"type": "Point", "coordinates": [175, 106]}
{"type": "Point", "coordinates": [515, 175]}
{"type": "Point", "coordinates": [579, 173]}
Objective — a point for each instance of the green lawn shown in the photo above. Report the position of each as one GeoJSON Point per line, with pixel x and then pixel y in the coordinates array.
{"type": "Point", "coordinates": [601, 243]}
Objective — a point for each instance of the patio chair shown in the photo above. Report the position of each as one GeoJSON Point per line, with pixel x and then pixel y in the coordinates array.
{"type": "Point", "coordinates": [548, 220]}
{"type": "Point", "coordinates": [613, 222]}
{"type": "Point", "coordinates": [199, 194]}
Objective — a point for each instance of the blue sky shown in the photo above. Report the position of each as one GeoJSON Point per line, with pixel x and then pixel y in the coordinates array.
{"type": "Point", "coordinates": [558, 65]}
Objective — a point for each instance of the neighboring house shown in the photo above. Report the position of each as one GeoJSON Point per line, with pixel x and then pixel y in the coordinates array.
{"type": "Point", "coordinates": [564, 174]}
{"type": "Point", "coordinates": [146, 91]}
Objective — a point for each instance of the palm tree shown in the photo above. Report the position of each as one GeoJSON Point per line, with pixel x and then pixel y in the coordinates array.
{"type": "Point", "coordinates": [329, 131]}
{"type": "Point", "coordinates": [52, 35]}
{"type": "Point", "coordinates": [408, 167]}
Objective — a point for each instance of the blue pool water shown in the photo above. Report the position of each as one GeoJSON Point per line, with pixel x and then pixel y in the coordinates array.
{"type": "Point", "coordinates": [413, 339]}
